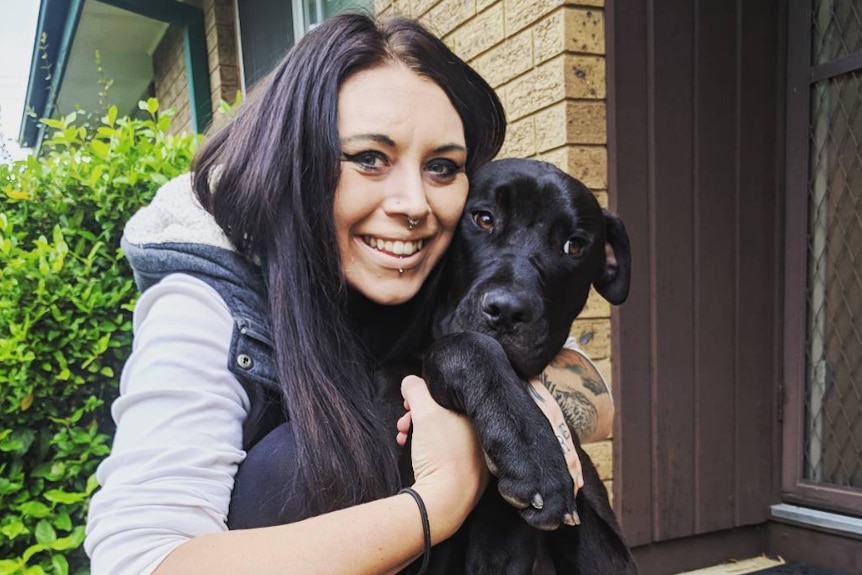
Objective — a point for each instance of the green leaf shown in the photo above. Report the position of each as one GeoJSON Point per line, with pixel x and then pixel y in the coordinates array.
{"type": "Point", "coordinates": [60, 496]}
{"type": "Point", "coordinates": [63, 521]}
{"type": "Point", "coordinates": [101, 148]}
{"type": "Point", "coordinates": [10, 566]}
{"type": "Point", "coordinates": [52, 123]}
{"type": "Point", "coordinates": [13, 529]}
{"type": "Point", "coordinates": [19, 441]}
{"type": "Point", "coordinates": [60, 565]}
{"type": "Point", "coordinates": [32, 550]}
{"type": "Point", "coordinates": [45, 533]}
{"type": "Point", "coordinates": [112, 115]}
{"type": "Point", "coordinates": [35, 509]}
{"type": "Point", "coordinates": [71, 541]}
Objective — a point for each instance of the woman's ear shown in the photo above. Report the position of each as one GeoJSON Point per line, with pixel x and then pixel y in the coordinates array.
{"type": "Point", "coordinates": [613, 283]}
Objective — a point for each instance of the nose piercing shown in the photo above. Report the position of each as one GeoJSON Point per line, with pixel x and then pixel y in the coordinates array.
{"type": "Point", "coordinates": [411, 223]}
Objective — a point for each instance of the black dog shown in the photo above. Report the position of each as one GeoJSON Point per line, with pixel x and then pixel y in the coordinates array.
{"type": "Point", "coordinates": [530, 244]}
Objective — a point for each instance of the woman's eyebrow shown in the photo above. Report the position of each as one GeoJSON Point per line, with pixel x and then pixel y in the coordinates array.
{"type": "Point", "coordinates": [389, 142]}
{"type": "Point", "coordinates": [450, 148]}
{"type": "Point", "coordinates": [380, 138]}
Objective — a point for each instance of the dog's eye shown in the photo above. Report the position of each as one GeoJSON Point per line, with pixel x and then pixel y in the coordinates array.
{"type": "Point", "coordinates": [483, 219]}
{"type": "Point", "coordinates": [573, 246]}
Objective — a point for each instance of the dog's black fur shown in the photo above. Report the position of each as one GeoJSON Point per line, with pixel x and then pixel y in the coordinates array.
{"type": "Point", "coordinates": [531, 242]}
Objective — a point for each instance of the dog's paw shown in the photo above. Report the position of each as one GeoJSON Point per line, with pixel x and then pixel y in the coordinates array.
{"type": "Point", "coordinates": [532, 475]}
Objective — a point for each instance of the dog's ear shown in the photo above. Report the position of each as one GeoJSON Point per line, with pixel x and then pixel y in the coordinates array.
{"type": "Point", "coordinates": [613, 284]}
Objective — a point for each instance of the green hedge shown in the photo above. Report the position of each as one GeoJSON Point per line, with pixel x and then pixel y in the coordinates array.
{"type": "Point", "coordinates": [66, 296]}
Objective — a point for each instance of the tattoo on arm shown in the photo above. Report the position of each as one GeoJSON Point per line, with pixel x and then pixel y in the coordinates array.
{"type": "Point", "coordinates": [535, 394]}
{"type": "Point", "coordinates": [563, 434]}
{"type": "Point", "coordinates": [578, 410]}
{"type": "Point", "coordinates": [581, 367]}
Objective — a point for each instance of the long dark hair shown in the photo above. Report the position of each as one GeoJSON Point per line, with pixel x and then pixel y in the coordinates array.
{"type": "Point", "coordinates": [269, 178]}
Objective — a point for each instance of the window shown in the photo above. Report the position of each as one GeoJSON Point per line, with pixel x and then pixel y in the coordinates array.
{"type": "Point", "coordinates": [833, 429]}
{"type": "Point", "coordinates": [823, 292]}
{"type": "Point", "coordinates": [269, 28]}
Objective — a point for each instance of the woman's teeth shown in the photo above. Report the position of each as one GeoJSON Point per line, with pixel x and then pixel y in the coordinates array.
{"type": "Point", "coordinates": [397, 247]}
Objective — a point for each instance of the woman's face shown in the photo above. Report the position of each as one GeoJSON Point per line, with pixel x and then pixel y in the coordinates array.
{"type": "Point", "coordinates": [402, 185]}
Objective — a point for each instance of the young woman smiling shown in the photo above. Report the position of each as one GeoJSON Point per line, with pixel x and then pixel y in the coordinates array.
{"type": "Point", "coordinates": [301, 256]}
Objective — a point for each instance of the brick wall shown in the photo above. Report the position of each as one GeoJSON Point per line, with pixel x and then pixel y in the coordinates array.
{"type": "Point", "coordinates": [169, 66]}
{"type": "Point", "coordinates": [170, 79]}
{"type": "Point", "coordinates": [546, 60]}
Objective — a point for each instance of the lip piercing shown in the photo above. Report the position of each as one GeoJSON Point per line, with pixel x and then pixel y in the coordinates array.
{"type": "Point", "coordinates": [411, 223]}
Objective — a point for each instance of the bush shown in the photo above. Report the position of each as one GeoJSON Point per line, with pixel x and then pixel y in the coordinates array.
{"type": "Point", "coordinates": [65, 321]}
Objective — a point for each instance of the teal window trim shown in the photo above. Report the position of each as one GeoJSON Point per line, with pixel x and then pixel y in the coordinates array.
{"type": "Point", "coordinates": [191, 19]}
{"type": "Point", "coordinates": [48, 66]}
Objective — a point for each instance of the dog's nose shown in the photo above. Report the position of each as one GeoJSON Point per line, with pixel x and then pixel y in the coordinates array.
{"type": "Point", "coordinates": [502, 308]}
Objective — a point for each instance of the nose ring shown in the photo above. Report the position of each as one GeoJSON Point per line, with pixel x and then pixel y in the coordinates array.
{"type": "Point", "coordinates": [411, 223]}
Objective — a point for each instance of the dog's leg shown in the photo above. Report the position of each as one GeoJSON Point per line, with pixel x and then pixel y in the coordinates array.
{"type": "Point", "coordinates": [597, 544]}
{"type": "Point", "coordinates": [469, 372]}
{"type": "Point", "coordinates": [498, 541]}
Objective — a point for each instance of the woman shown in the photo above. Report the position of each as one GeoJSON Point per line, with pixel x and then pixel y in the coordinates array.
{"type": "Point", "coordinates": [330, 200]}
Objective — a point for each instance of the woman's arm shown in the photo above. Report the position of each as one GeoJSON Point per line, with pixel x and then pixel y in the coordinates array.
{"type": "Point", "coordinates": [166, 485]}
{"type": "Point", "coordinates": [383, 536]}
{"type": "Point", "coordinates": [582, 394]}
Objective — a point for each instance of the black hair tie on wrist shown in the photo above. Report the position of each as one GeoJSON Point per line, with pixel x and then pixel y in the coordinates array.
{"type": "Point", "coordinates": [426, 527]}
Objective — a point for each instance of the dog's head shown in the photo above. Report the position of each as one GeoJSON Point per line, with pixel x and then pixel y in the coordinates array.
{"type": "Point", "coordinates": [530, 244]}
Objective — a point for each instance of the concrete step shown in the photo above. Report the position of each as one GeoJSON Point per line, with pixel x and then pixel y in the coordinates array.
{"type": "Point", "coordinates": [738, 567]}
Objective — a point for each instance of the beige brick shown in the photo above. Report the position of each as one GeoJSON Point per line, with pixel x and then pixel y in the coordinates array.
{"type": "Point", "coordinates": [507, 60]}
{"type": "Point", "coordinates": [482, 4]}
{"type": "Point", "coordinates": [229, 75]}
{"type": "Point", "coordinates": [380, 6]}
{"type": "Point", "coordinates": [585, 31]}
{"type": "Point", "coordinates": [580, 122]}
{"type": "Point", "coordinates": [609, 485]}
{"type": "Point", "coordinates": [420, 7]}
{"type": "Point", "coordinates": [397, 8]}
{"type": "Point", "coordinates": [537, 89]}
{"type": "Point", "coordinates": [566, 76]}
{"type": "Point", "coordinates": [602, 197]}
{"type": "Point", "coordinates": [602, 455]}
{"type": "Point", "coordinates": [585, 76]}
{"type": "Point", "coordinates": [549, 37]}
{"type": "Point", "coordinates": [597, 307]}
{"type": "Point", "coordinates": [479, 34]}
{"type": "Point", "coordinates": [520, 140]}
{"type": "Point", "coordinates": [448, 15]}
{"type": "Point", "coordinates": [589, 164]}
{"type": "Point", "coordinates": [593, 336]}
{"type": "Point", "coordinates": [224, 13]}
{"type": "Point", "coordinates": [569, 30]}
{"type": "Point", "coordinates": [520, 13]}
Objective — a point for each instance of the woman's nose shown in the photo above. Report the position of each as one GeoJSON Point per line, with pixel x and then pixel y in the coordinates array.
{"type": "Point", "coordinates": [406, 196]}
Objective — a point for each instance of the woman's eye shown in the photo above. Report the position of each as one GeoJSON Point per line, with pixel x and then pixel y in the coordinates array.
{"type": "Point", "coordinates": [370, 161]}
{"type": "Point", "coordinates": [443, 168]}
{"type": "Point", "coordinates": [483, 219]}
{"type": "Point", "coordinates": [573, 246]}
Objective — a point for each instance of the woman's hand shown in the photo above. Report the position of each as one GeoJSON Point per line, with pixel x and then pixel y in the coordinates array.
{"type": "Point", "coordinates": [448, 463]}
